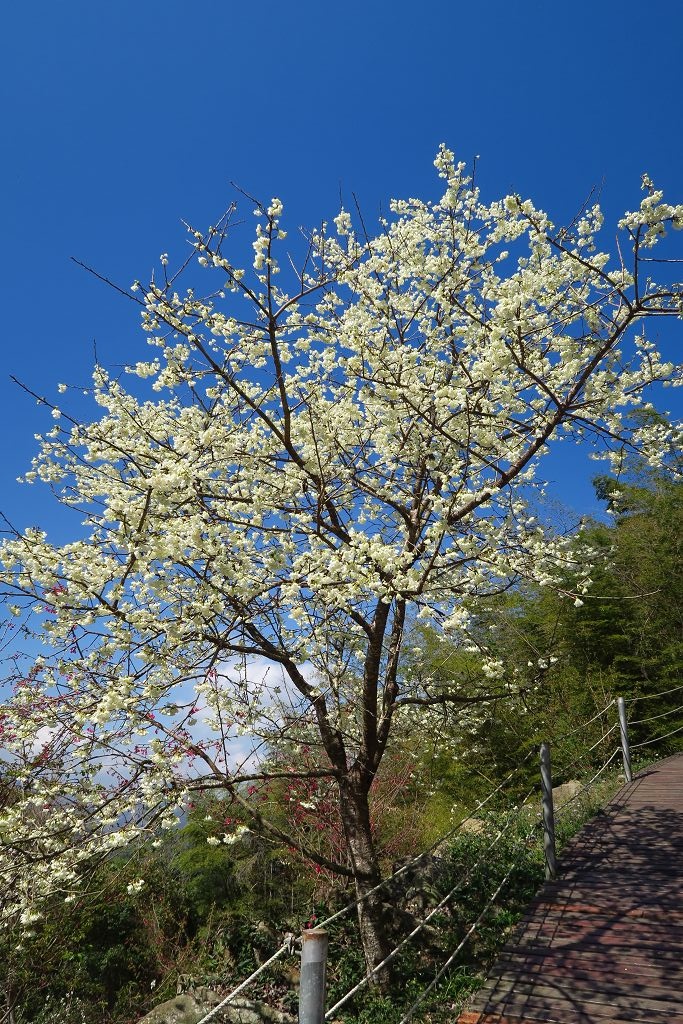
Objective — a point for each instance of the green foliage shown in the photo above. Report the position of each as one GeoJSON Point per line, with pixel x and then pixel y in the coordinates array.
{"type": "Point", "coordinates": [100, 954]}
{"type": "Point", "coordinates": [631, 628]}
{"type": "Point", "coordinates": [206, 872]}
{"type": "Point", "coordinates": [567, 655]}
{"type": "Point", "coordinates": [109, 957]}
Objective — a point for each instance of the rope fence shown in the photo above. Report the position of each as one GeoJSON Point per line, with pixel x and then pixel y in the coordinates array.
{"type": "Point", "coordinates": [284, 948]}
{"type": "Point", "coordinates": [420, 926]}
{"type": "Point", "coordinates": [470, 816]}
{"type": "Point", "coordinates": [311, 974]}
{"type": "Point", "coordinates": [468, 934]}
{"type": "Point", "coordinates": [584, 725]}
{"type": "Point", "coordinates": [287, 946]}
{"type": "Point", "coordinates": [583, 757]}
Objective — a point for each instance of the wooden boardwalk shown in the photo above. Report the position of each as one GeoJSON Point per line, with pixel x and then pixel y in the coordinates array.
{"type": "Point", "coordinates": [604, 943]}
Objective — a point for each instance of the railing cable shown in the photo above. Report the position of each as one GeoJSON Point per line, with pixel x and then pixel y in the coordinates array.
{"type": "Point", "coordinates": [653, 718]}
{"type": "Point", "coordinates": [588, 784]}
{"type": "Point", "coordinates": [656, 739]}
{"type": "Point", "coordinates": [565, 769]}
{"type": "Point", "coordinates": [350, 906]}
{"type": "Point", "coordinates": [653, 696]}
{"type": "Point", "coordinates": [584, 725]}
{"type": "Point", "coordinates": [286, 947]}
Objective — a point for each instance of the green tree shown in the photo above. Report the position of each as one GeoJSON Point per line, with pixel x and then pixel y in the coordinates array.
{"type": "Point", "coordinates": [632, 622]}
{"type": "Point", "coordinates": [568, 655]}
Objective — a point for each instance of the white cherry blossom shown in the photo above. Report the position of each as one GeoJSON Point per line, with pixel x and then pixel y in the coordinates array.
{"type": "Point", "coordinates": [309, 461]}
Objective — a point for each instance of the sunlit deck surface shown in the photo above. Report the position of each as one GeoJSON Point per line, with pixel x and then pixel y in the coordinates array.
{"type": "Point", "coordinates": [603, 943]}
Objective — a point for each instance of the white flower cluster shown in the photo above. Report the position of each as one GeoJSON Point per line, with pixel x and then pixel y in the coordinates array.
{"type": "Point", "coordinates": [319, 467]}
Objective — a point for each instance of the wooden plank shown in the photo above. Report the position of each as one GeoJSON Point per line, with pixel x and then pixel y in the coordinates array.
{"type": "Point", "coordinates": [546, 1004]}
{"type": "Point", "coordinates": [591, 962]}
{"type": "Point", "coordinates": [510, 988]}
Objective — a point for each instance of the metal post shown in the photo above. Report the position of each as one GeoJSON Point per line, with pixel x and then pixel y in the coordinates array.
{"type": "Point", "coordinates": [623, 729]}
{"type": "Point", "coordinates": [548, 813]}
{"type": "Point", "coordinates": [312, 986]}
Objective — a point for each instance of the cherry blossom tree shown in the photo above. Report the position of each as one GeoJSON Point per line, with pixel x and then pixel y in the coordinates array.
{"type": "Point", "coordinates": [315, 455]}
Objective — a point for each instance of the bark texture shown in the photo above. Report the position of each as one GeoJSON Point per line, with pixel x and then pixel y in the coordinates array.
{"type": "Point", "coordinates": [355, 814]}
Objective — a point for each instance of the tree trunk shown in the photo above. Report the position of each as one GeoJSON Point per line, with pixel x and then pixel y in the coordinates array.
{"type": "Point", "coordinates": [355, 814]}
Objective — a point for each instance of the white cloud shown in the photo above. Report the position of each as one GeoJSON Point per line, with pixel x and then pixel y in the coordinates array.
{"type": "Point", "coordinates": [43, 738]}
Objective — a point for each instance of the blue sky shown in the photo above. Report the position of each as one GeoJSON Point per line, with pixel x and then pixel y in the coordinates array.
{"type": "Point", "coordinates": [121, 119]}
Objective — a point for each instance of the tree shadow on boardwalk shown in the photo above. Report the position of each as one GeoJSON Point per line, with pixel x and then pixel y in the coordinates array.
{"type": "Point", "coordinates": [604, 943]}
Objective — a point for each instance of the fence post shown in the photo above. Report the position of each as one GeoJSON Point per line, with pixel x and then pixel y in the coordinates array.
{"type": "Point", "coordinates": [312, 985]}
{"type": "Point", "coordinates": [623, 729]}
{"type": "Point", "coordinates": [548, 813]}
